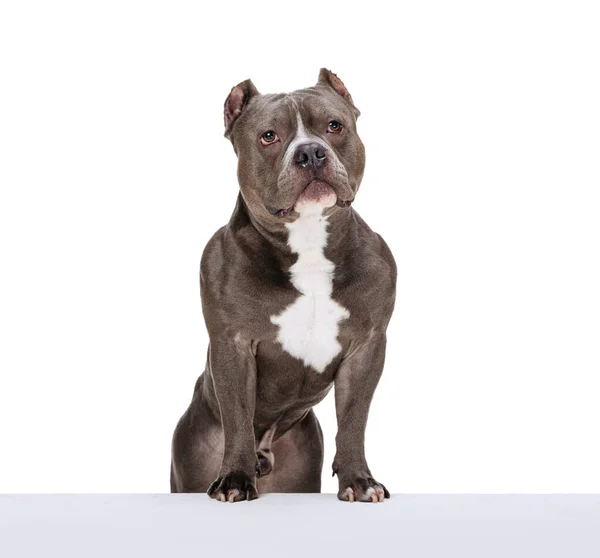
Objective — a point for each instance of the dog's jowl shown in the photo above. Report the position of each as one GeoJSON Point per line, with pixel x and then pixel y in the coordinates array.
{"type": "Point", "coordinates": [297, 292]}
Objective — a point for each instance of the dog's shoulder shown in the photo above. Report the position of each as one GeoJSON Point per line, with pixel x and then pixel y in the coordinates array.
{"type": "Point", "coordinates": [369, 260]}
{"type": "Point", "coordinates": [365, 278]}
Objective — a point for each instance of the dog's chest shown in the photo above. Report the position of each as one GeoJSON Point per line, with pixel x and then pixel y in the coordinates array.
{"type": "Point", "coordinates": [309, 327]}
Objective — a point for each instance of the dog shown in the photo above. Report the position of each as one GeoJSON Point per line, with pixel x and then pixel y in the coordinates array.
{"type": "Point", "coordinates": [297, 292]}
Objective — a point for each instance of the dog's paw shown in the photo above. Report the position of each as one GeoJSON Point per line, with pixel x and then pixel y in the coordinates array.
{"type": "Point", "coordinates": [363, 489]}
{"type": "Point", "coordinates": [233, 487]}
{"type": "Point", "coordinates": [266, 460]}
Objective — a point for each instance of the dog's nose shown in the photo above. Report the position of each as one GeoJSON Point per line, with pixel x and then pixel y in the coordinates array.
{"type": "Point", "coordinates": [310, 155]}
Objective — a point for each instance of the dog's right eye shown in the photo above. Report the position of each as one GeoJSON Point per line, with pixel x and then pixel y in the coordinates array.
{"type": "Point", "coordinates": [334, 127]}
{"type": "Point", "coordinates": [268, 137]}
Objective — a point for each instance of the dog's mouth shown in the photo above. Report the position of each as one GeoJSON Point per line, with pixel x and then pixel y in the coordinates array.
{"type": "Point", "coordinates": [316, 192]}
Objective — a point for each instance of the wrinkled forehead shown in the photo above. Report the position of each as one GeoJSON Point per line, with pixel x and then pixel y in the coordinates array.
{"type": "Point", "coordinates": [300, 107]}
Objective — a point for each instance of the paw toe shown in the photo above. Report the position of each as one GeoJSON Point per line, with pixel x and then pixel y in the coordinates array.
{"type": "Point", "coordinates": [233, 495]}
{"type": "Point", "coordinates": [347, 495]}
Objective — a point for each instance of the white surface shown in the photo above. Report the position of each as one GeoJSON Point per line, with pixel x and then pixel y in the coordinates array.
{"type": "Point", "coordinates": [480, 121]}
{"type": "Point", "coordinates": [116, 526]}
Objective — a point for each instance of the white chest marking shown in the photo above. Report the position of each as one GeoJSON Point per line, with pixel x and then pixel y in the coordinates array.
{"type": "Point", "coordinates": [308, 328]}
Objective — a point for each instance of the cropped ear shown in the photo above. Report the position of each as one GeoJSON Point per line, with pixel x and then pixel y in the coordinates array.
{"type": "Point", "coordinates": [236, 101]}
{"type": "Point", "coordinates": [329, 79]}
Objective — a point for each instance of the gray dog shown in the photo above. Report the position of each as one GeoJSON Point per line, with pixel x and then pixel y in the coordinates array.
{"type": "Point", "coordinates": [297, 292]}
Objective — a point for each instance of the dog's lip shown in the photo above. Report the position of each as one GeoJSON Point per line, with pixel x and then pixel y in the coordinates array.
{"type": "Point", "coordinates": [274, 211]}
{"type": "Point", "coordinates": [343, 203]}
{"type": "Point", "coordinates": [284, 212]}
{"type": "Point", "coordinates": [279, 212]}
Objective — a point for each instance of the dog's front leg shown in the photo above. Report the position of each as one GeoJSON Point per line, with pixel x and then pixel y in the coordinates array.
{"type": "Point", "coordinates": [355, 383]}
{"type": "Point", "coordinates": [233, 369]}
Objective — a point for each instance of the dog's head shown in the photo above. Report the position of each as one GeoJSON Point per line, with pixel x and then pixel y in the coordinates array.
{"type": "Point", "coordinates": [295, 148]}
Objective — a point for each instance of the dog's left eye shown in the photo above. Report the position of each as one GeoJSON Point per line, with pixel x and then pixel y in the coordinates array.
{"type": "Point", "coordinates": [268, 137]}
{"type": "Point", "coordinates": [334, 127]}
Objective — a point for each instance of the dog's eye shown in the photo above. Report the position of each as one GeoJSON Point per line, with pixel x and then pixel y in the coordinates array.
{"type": "Point", "coordinates": [268, 137]}
{"type": "Point", "coordinates": [334, 127]}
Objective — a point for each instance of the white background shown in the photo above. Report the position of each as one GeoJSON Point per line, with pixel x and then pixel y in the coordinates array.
{"type": "Point", "coordinates": [481, 122]}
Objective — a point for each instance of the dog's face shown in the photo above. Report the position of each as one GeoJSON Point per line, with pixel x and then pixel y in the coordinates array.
{"type": "Point", "coordinates": [295, 147]}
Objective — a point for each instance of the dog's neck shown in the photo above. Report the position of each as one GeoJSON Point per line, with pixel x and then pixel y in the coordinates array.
{"type": "Point", "coordinates": [337, 222]}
